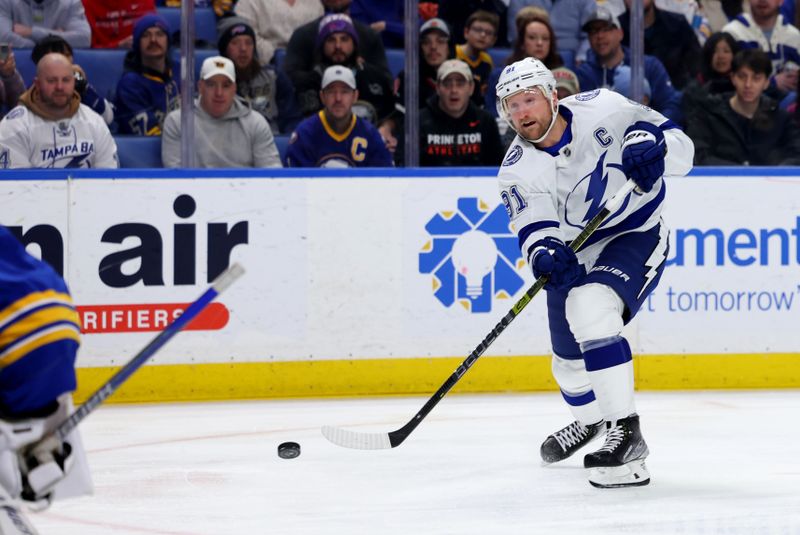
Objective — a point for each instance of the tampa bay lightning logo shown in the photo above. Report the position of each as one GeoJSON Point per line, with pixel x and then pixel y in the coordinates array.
{"type": "Point", "coordinates": [472, 255]}
{"type": "Point", "coordinates": [586, 198]}
{"type": "Point", "coordinates": [513, 156]}
{"type": "Point", "coordinates": [19, 111]}
{"type": "Point", "coordinates": [587, 95]}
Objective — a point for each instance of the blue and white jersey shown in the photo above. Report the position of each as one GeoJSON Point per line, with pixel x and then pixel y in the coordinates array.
{"type": "Point", "coordinates": [782, 45]}
{"type": "Point", "coordinates": [557, 190]}
{"type": "Point", "coordinates": [28, 140]}
{"type": "Point", "coordinates": [39, 331]}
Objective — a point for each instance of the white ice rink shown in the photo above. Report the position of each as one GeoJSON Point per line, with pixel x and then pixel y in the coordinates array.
{"type": "Point", "coordinates": [721, 462]}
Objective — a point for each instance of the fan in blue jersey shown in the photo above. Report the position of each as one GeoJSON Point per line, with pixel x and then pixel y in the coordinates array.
{"type": "Point", "coordinates": [147, 92]}
{"type": "Point", "coordinates": [336, 137]}
{"type": "Point", "coordinates": [39, 336]}
{"type": "Point", "coordinates": [570, 156]}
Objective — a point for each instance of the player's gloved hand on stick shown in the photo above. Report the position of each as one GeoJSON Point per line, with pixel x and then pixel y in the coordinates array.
{"type": "Point", "coordinates": [47, 463]}
{"type": "Point", "coordinates": [31, 467]}
{"type": "Point", "coordinates": [557, 261]}
{"type": "Point", "coordinates": [643, 151]}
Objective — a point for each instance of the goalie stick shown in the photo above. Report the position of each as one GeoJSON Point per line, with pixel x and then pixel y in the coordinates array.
{"type": "Point", "coordinates": [217, 287]}
{"type": "Point", "coordinates": [379, 441]}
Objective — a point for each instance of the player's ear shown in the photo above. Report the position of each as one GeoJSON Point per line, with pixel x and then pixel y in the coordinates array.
{"type": "Point", "coordinates": [555, 98]}
{"type": "Point", "coordinates": [355, 94]}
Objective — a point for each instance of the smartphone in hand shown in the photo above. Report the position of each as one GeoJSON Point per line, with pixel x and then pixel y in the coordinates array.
{"type": "Point", "coordinates": [4, 51]}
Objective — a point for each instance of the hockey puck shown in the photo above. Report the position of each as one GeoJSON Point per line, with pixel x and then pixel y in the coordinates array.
{"type": "Point", "coordinates": [289, 450]}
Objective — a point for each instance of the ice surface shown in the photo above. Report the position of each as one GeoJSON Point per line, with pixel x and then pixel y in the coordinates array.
{"type": "Point", "coordinates": [721, 462]}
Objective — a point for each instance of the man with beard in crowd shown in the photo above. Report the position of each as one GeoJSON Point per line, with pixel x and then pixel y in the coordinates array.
{"type": "Point", "coordinates": [300, 50]}
{"type": "Point", "coordinates": [51, 128]}
{"type": "Point", "coordinates": [337, 44]}
{"type": "Point", "coordinates": [268, 91]}
{"type": "Point", "coordinates": [147, 92]}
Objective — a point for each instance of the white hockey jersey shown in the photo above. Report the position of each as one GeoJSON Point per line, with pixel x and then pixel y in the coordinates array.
{"type": "Point", "coordinates": [30, 141]}
{"type": "Point", "coordinates": [556, 191]}
{"type": "Point", "coordinates": [782, 47]}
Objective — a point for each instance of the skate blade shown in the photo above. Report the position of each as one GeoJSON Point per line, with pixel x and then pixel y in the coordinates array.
{"type": "Point", "coordinates": [632, 474]}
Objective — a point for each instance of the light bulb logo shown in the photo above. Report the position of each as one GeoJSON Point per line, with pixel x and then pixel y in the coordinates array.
{"type": "Point", "coordinates": [474, 256]}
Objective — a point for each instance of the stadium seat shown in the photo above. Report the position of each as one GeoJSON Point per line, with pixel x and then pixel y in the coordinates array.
{"type": "Point", "coordinates": [200, 55]}
{"type": "Point", "coordinates": [103, 68]}
{"type": "Point", "coordinates": [281, 142]}
{"type": "Point", "coordinates": [25, 65]}
{"type": "Point", "coordinates": [277, 59]}
{"type": "Point", "coordinates": [205, 22]}
{"type": "Point", "coordinates": [145, 151]}
{"type": "Point", "coordinates": [139, 151]}
{"type": "Point", "coordinates": [569, 58]}
{"type": "Point", "coordinates": [499, 56]}
{"type": "Point", "coordinates": [396, 58]}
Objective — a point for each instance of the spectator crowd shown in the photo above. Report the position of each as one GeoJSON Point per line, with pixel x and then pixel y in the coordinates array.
{"type": "Point", "coordinates": [308, 83]}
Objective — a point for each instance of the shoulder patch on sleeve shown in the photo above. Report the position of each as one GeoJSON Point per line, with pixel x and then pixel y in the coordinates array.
{"type": "Point", "coordinates": [513, 156]}
{"type": "Point", "coordinates": [587, 95]}
{"type": "Point", "coordinates": [19, 111]}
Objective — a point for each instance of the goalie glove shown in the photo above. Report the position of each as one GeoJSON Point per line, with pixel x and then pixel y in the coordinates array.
{"type": "Point", "coordinates": [551, 258]}
{"type": "Point", "coordinates": [32, 462]}
{"type": "Point", "coordinates": [643, 152]}
{"type": "Point", "coordinates": [47, 463]}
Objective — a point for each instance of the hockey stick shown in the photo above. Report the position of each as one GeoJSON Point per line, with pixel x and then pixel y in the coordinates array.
{"type": "Point", "coordinates": [217, 287]}
{"type": "Point", "coordinates": [379, 441]}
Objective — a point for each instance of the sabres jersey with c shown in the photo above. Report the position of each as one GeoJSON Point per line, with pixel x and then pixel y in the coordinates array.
{"type": "Point", "coordinates": [555, 191]}
{"type": "Point", "coordinates": [39, 331]}
{"type": "Point", "coordinates": [315, 144]}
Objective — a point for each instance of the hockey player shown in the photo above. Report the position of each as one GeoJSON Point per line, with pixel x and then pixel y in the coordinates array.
{"type": "Point", "coordinates": [39, 335]}
{"type": "Point", "coordinates": [568, 157]}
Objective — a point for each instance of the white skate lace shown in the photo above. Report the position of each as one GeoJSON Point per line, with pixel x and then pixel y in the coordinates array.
{"type": "Point", "coordinates": [613, 439]}
{"type": "Point", "coordinates": [571, 435]}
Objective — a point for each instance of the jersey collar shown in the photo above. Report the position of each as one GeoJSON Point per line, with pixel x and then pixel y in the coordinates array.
{"type": "Point", "coordinates": [566, 137]}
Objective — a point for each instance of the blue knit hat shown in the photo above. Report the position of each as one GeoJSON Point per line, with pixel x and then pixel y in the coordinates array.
{"type": "Point", "coordinates": [145, 23]}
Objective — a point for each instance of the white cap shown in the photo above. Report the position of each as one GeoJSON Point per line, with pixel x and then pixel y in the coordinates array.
{"type": "Point", "coordinates": [338, 73]}
{"type": "Point", "coordinates": [218, 65]}
{"type": "Point", "coordinates": [603, 14]}
{"type": "Point", "coordinates": [434, 24]}
{"type": "Point", "coordinates": [454, 66]}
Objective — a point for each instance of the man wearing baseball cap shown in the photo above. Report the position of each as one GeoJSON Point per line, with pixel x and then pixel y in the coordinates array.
{"type": "Point", "coordinates": [227, 132]}
{"type": "Point", "coordinates": [453, 130]}
{"type": "Point", "coordinates": [599, 69]}
{"type": "Point", "coordinates": [335, 136]}
{"type": "Point", "coordinates": [435, 47]}
{"type": "Point", "coordinates": [566, 82]}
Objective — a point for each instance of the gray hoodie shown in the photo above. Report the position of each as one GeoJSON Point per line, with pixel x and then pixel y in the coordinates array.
{"type": "Point", "coordinates": [240, 138]}
{"type": "Point", "coordinates": [65, 18]}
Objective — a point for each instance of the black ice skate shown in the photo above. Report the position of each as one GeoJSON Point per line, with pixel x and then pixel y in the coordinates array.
{"type": "Point", "coordinates": [620, 462]}
{"type": "Point", "coordinates": [565, 442]}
